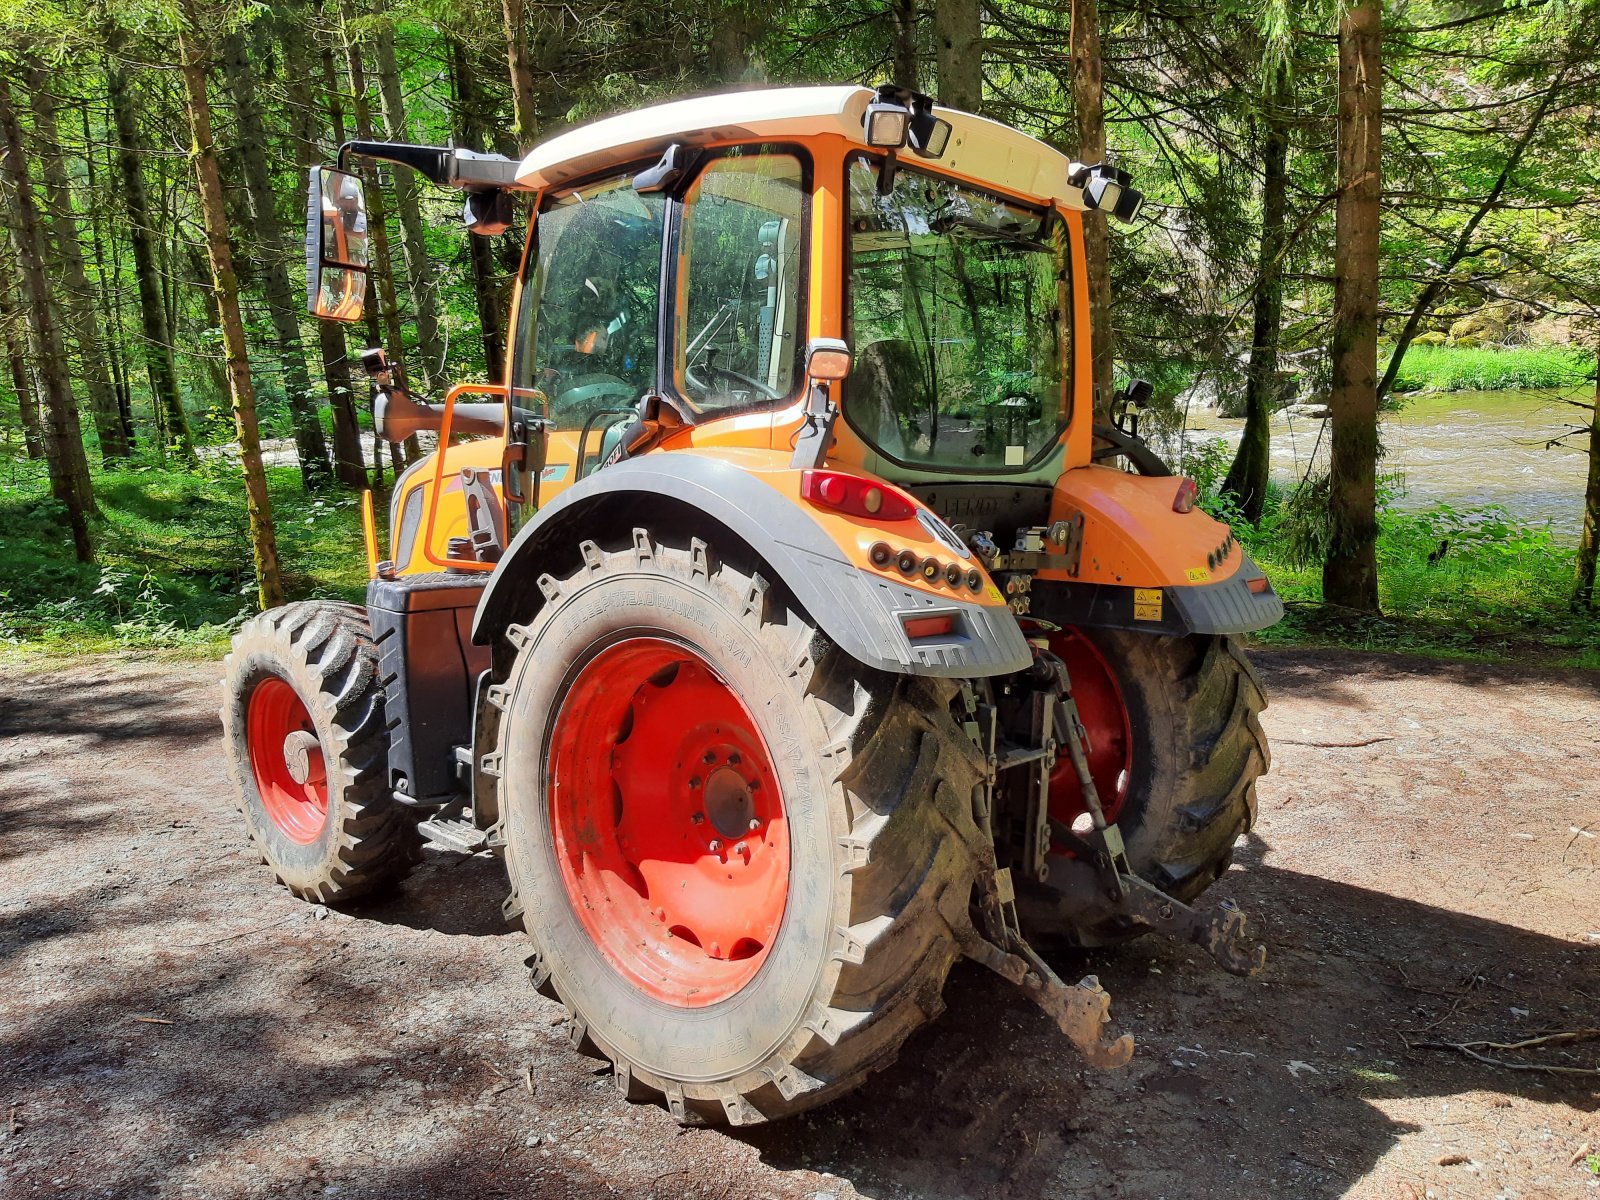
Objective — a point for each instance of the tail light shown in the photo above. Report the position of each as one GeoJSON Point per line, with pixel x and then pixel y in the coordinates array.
{"type": "Point", "coordinates": [1188, 496]}
{"type": "Point", "coordinates": [854, 495]}
{"type": "Point", "coordinates": [926, 627]}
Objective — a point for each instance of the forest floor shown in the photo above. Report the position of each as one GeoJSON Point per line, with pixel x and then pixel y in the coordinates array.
{"type": "Point", "coordinates": [1425, 869]}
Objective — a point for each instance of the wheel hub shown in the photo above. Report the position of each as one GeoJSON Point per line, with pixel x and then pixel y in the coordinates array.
{"type": "Point", "coordinates": [668, 822]}
{"type": "Point", "coordinates": [303, 755]}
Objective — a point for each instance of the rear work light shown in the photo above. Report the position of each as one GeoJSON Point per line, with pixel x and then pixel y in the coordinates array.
{"type": "Point", "coordinates": [1188, 496]}
{"type": "Point", "coordinates": [854, 495]}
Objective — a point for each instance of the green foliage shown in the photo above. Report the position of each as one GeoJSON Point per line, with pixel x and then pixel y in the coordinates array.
{"type": "Point", "coordinates": [1463, 583]}
{"type": "Point", "coordinates": [1492, 369]}
{"type": "Point", "coordinates": [174, 567]}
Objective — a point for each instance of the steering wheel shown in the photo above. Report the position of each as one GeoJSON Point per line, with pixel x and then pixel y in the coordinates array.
{"type": "Point", "coordinates": [587, 391]}
{"type": "Point", "coordinates": [719, 372]}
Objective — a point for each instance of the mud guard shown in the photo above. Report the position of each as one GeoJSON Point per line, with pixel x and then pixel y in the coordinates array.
{"type": "Point", "coordinates": [863, 614]}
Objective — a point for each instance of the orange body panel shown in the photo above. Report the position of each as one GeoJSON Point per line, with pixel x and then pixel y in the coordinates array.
{"type": "Point", "coordinates": [1132, 536]}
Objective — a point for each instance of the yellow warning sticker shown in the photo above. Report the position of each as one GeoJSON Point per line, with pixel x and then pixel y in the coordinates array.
{"type": "Point", "coordinates": [1147, 604]}
{"type": "Point", "coordinates": [994, 595]}
{"type": "Point", "coordinates": [1198, 575]}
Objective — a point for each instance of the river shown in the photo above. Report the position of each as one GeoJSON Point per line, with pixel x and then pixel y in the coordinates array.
{"type": "Point", "coordinates": [1467, 449]}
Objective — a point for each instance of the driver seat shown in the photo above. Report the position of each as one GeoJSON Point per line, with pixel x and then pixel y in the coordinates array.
{"type": "Point", "coordinates": [888, 386]}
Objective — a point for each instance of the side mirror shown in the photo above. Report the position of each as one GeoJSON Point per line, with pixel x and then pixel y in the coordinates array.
{"type": "Point", "coordinates": [336, 245]}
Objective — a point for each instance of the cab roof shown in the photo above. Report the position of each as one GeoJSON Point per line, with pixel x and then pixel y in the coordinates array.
{"type": "Point", "coordinates": [979, 149]}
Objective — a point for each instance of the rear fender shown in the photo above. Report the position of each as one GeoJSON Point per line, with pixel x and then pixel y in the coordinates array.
{"type": "Point", "coordinates": [1144, 566]}
{"type": "Point", "coordinates": [820, 556]}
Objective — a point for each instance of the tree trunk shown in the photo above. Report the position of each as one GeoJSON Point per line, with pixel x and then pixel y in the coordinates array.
{"type": "Point", "coordinates": [1247, 478]}
{"type": "Point", "coordinates": [1586, 595]}
{"type": "Point", "coordinates": [419, 272]}
{"type": "Point", "coordinates": [380, 280]}
{"type": "Point", "coordinates": [903, 14]}
{"type": "Point", "coordinates": [1350, 573]}
{"type": "Point", "coordinates": [78, 297]}
{"type": "Point", "coordinates": [63, 436]}
{"type": "Point", "coordinates": [1088, 105]}
{"type": "Point", "coordinates": [283, 302]}
{"type": "Point", "coordinates": [958, 53]}
{"type": "Point", "coordinates": [159, 363]}
{"type": "Point", "coordinates": [736, 26]}
{"type": "Point", "coordinates": [263, 538]}
{"type": "Point", "coordinates": [290, 30]}
{"type": "Point", "coordinates": [14, 326]}
{"type": "Point", "coordinates": [487, 287]}
{"type": "Point", "coordinates": [519, 59]}
{"type": "Point", "coordinates": [109, 267]}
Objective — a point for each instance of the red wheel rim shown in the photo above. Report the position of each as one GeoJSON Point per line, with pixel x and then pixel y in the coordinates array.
{"type": "Point", "coordinates": [286, 759]}
{"type": "Point", "coordinates": [668, 822]}
{"type": "Point", "coordinates": [1105, 719]}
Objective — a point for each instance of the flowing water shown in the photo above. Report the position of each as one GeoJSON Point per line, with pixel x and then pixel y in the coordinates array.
{"type": "Point", "coordinates": [1466, 449]}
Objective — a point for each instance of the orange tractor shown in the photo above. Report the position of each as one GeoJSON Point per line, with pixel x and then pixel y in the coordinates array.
{"type": "Point", "coordinates": [782, 618]}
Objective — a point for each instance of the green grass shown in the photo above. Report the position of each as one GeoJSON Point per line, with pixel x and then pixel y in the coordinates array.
{"type": "Point", "coordinates": [1498, 591]}
{"type": "Point", "coordinates": [1491, 369]}
{"type": "Point", "coordinates": [173, 567]}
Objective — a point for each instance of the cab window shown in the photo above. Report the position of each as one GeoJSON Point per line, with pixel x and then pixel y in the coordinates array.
{"type": "Point", "coordinates": [739, 320]}
{"type": "Point", "coordinates": [591, 295]}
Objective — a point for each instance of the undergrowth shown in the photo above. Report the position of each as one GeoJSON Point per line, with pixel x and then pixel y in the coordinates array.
{"type": "Point", "coordinates": [173, 565]}
{"type": "Point", "coordinates": [1460, 583]}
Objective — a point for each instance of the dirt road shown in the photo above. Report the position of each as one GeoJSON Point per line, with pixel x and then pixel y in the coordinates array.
{"type": "Point", "coordinates": [1425, 869]}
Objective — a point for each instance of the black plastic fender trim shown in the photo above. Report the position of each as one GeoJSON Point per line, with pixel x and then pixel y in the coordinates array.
{"type": "Point", "coordinates": [1226, 606]}
{"type": "Point", "coordinates": [859, 611]}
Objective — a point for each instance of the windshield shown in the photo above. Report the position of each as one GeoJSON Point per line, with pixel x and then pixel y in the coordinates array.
{"type": "Point", "coordinates": [958, 317]}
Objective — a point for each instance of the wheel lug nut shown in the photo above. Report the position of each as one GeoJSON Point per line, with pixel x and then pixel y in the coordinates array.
{"type": "Point", "coordinates": [716, 846]}
{"type": "Point", "coordinates": [698, 818]}
{"type": "Point", "coordinates": [694, 781]}
{"type": "Point", "coordinates": [742, 848]}
{"type": "Point", "coordinates": [755, 824]}
{"type": "Point", "coordinates": [709, 757]}
{"type": "Point", "coordinates": [734, 760]}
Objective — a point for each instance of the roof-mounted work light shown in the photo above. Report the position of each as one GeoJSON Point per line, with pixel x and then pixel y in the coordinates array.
{"type": "Point", "coordinates": [887, 123]}
{"type": "Point", "coordinates": [1108, 189]}
{"type": "Point", "coordinates": [898, 117]}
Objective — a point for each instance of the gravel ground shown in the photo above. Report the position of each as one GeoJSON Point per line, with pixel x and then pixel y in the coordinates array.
{"type": "Point", "coordinates": [1426, 869]}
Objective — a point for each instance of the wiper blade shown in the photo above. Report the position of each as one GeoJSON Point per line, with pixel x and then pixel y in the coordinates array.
{"type": "Point", "coordinates": [1011, 237]}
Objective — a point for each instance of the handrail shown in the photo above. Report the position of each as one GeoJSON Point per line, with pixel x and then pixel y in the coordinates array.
{"type": "Point", "coordinates": [459, 564]}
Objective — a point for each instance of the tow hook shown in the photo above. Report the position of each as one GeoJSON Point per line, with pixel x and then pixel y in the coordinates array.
{"type": "Point", "coordinates": [1080, 1010]}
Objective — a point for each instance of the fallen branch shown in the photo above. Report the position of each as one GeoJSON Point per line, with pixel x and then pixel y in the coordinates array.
{"type": "Point", "coordinates": [246, 933]}
{"type": "Point", "coordinates": [1334, 745]}
{"type": "Point", "coordinates": [1549, 1039]}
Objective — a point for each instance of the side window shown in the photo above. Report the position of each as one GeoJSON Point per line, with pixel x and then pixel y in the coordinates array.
{"type": "Point", "coordinates": [587, 341]}
{"type": "Point", "coordinates": [740, 322]}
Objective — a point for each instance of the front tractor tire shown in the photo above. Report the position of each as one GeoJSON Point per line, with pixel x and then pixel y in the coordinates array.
{"type": "Point", "coordinates": [1176, 749]}
{"type": "Point", "coordinates": [729, 843]}
{"type": "Point", "coordinates": [303, 718]}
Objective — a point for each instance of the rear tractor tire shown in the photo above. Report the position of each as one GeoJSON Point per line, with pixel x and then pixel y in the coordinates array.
{"type": "Point", "coordinates": [303, 718]}
{"type": "Point", "coordinates": [737, 852]}
{"type": "Point", "coordinates": [1176, 749]}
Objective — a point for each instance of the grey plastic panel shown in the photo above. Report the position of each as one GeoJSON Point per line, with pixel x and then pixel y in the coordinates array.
{"type": "Point", "coordinates": [860, 611]}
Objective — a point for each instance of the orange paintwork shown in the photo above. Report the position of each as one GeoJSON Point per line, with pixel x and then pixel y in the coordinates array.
{"type": "Point", "coordinates": [1132, 537]}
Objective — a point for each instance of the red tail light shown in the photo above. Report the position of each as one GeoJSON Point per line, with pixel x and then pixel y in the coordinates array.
{"type": "Point", "coordinates": [854, 495]}
{"type": "Point", "coordinates": [925, 627]}
{"type": "Point", "coordinates": [1188, 496]}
